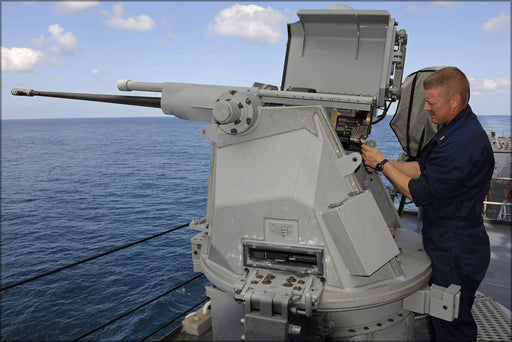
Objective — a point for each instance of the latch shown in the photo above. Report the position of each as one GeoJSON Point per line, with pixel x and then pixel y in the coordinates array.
{"type": "Point", "coordinates": [437, 301]}
{"type": "Point", "coordinates": [266, 317]}
{"type": "Point", "coordinates": [198, 241]}
{"type": "Point", "coordinates": [269, 297]}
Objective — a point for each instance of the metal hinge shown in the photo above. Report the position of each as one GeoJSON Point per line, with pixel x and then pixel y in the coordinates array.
{"type": "Point", "coordinates": [437, 301]}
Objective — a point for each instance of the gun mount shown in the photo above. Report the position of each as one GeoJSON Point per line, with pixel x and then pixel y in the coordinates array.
{"type": "Point", "coordinates": [349, 62]}
{"type": "Point", "coordinates": [298, 237]}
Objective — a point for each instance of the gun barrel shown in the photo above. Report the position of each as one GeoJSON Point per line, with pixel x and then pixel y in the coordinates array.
{"type": "Point", "coordinates": [144, 101]}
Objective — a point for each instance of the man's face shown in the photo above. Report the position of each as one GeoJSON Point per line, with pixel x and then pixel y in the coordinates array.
{"type": "Point", "coordinates": [440, 106]}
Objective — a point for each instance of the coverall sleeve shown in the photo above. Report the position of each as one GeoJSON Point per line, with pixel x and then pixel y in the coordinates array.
{"type": "Point", "coordinates": [444, 171]}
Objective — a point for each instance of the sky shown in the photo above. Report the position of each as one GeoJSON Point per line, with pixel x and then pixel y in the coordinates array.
{"type": "Point", "coordinates": [88, 46]}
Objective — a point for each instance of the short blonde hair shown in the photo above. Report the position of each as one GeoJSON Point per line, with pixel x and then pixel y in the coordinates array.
{"type": "Point", "coordinates": [451, 81]}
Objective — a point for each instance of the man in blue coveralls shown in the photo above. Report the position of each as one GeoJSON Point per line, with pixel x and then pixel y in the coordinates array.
{"type": "Point", "coordinates": [449, 183]}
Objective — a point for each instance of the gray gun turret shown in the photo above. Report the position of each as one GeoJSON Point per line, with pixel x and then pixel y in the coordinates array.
{"type": "Point", "coordinates": [298, 238]}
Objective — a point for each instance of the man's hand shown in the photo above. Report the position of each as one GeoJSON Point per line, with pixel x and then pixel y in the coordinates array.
{"type": "Point", "coordinates": [372, 156]}
{"type": "Point", "coordinates": [398, 173]}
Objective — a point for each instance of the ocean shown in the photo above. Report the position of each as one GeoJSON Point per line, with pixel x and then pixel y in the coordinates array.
{"type": "Point", "coordinates": [74, 188]}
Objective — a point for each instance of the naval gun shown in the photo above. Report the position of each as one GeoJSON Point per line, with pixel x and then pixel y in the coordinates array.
{"type": "Point", "coordinates": [299, 240]}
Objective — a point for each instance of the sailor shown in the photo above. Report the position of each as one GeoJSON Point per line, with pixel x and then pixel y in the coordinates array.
{"type": "Point", "coordinates": [449, 183]}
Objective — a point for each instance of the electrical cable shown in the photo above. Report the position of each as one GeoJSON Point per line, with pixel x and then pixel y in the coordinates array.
{"type": "Point", "coordinates": [383, 115]}
{"type": "Point", "coordinates": [138, 307]}
{"type": "Point", "coordinates": [88, 259]}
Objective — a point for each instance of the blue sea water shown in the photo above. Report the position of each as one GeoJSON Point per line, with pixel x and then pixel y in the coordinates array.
{"type": "Point", "coordinates": [74, 188]}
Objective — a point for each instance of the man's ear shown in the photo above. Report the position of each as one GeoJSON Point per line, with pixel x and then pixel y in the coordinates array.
{"type": "Point", "coordinates": [456, 100]}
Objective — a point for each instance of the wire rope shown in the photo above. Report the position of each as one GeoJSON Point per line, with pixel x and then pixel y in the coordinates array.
{"type": "Point", "coordinates": [137, 308]}
{"type": "Point", "coordinates": [89, 259]}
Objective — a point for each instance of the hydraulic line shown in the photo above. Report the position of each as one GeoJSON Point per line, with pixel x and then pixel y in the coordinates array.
{"type": "Point", "coordinates": [138, 307]}
{"type": "Point", "coordinates": [175, 319]}
{"type": "Point", "coordinates": [89, 259]}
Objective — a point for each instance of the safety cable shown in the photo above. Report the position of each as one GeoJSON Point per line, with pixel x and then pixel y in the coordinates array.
{"type": "Point", "coordinates": [89, 259]}
{"type": "Point", "coordinates": [138, 307]}
{"type": "Point", "coordinates": [174, 319]}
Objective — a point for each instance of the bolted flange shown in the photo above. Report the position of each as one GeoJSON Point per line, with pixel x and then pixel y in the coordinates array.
{"type": "Point", "coordinates": [236, 111]}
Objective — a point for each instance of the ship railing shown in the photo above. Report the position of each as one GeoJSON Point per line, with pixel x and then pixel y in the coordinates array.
{"type": "Point", "coordinates": [498, 202]}
{"type": "Point", "coordinates": [504, 213]}
{"type": "Point", "coordinates": [128, 312]}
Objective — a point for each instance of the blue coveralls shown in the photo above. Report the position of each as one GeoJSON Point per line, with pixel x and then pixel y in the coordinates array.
{"type": "Point", "coordinates": [455, 177]}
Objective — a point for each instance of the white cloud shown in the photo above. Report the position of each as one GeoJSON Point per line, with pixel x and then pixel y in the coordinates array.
{"type": "Point", "coordinates": [445, 4]}
{"type": "Point", "coordinates": [66, 42]}
{"type": "Point", "coordinates": [44, 50]}
{"type": "Point", "coordinates": [250, 22]}
{"type": "Point", "coordinates": [412, 9]}
{"type": "Point", "coordinates": [21, 59]}
{"type": "Point", "coordinates": [498, 86]}
{"type": "Point", "coordinates": [58, 43]}
{"type": "Point", "coordinates": [497, 23]}
{"type": "Point", "coordinates": [96, 74]}
{"type": "Point", "coordinates": [138, 23]}
{"type": "Point", "coordinates": [74, 7]}
{"type": "Point", "coordinates": [117, 10]}
{"type": "Point", "coordinates": [170, 32]}
{"type": "Point", "coordinates": [39, 43]}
